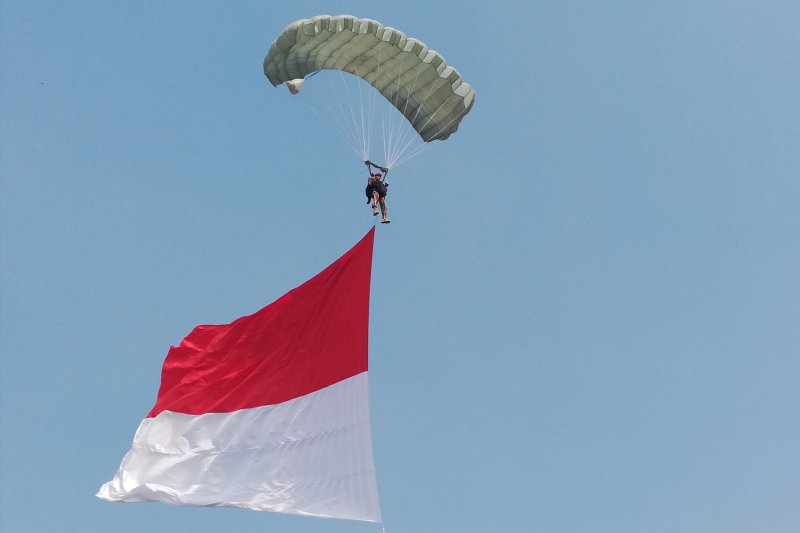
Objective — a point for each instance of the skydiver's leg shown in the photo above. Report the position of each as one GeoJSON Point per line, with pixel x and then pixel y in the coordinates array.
{"type": "Point", "coordinates": [384, 211]}
{"type": "Point", "coordinates": [374, 203]}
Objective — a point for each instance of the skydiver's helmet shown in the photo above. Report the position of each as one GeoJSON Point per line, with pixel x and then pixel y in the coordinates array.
{"type": "Point", "coordinates": [376, 175]}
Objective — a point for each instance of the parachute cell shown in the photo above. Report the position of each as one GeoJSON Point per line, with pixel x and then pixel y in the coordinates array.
{"type": "Point", "coordinates": [414, 79]}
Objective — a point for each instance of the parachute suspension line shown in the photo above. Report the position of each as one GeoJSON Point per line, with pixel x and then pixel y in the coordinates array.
{"type": "Point", "coordinates": [345, 114]}
{"type": "Point", "coordinates": [346, 131]}
{"type": "Point", "coordinates": [325, 97]}
{"type": "Point", "coordinates": [397, 134]}
{"type": "Point", "coordinates": [405, 110]}
{"type": "Point", "coordinates": [430, 91]}
{"type": "Point", "coordinates": [406, 139]}
{"type": "Point", "coordinates": [399, 126]}
{"type": "Point", "coordinates": [393, 128]}
{"type": "Point", "coordinates": [356, 117]}
{"type": "Point", "coordinates": [457, 117]}
{"type": "Point", "coordinates": [411, 143]}
{"type": "Point", "coordinates": [339, 129]}
{"type": "Point", "coordinates": [434, 115]}
{"type": "Point", "coordinates": [385, 144]}
{"type": "Point", "coordinates": [402, 157]}
{"type": "Point", "coordinates": [359, 127]}
{"type": "Point", "coordinates": [408, 134]}
{"type": "Point", "coordinates": [372, 99]}
{"type": "Point", "coordinates": [360, 133]}
{"type": "Point", "coordinates": [348, 117]}
{"type": "Point", "coordinates": [402, 134]}
{"type": "Point", "coordinates": [415, 151]}
{"type": "Point", "coordinates": [395, 125]}
{"type": "Point", "coordinates": [372, 95]}
{"type": "Point", "coordinates": [365, 122]}
{"type": "Point", "coordinates": [388, 163]}
{"type": "Point", "coordinates": [398, 143]}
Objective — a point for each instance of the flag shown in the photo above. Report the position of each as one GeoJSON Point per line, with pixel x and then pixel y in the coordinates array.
{"type": "Point", "coordinates": [269, 412]}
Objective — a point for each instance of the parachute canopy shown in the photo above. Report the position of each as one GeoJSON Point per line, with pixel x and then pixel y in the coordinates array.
{"type": "Point", "coordinates": [415, 80]}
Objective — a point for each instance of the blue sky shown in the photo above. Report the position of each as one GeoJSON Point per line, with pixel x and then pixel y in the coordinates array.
{"type": "Point", "coordinates": [585, 313]}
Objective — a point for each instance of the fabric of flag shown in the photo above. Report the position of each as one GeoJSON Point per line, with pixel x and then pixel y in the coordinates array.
{"type": "Point", "coordinates": [269, 412]}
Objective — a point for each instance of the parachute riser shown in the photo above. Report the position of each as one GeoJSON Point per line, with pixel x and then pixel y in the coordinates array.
{"type": "Point", "coordinates": [370, 165]}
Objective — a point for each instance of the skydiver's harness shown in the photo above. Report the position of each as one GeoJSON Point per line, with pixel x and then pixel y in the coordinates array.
{"type": "Point", "coordinates": [370, 167]}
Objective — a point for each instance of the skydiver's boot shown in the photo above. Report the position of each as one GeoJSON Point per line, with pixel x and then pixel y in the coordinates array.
{"type": "Point", "coordinates": [385, 219]}
{"type": "Point", "coordinates": [374, 210]}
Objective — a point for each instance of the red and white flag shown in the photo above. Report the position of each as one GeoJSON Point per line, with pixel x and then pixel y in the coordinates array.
{"type": "Point", "coordinates": [269, 412]}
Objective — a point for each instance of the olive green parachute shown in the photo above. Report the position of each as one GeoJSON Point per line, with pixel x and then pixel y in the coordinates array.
{"type": "Point", "coordinates": [415, 80]}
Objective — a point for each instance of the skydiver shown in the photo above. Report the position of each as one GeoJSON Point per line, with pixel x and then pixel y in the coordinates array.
{"type": "Point", "coordinates": [376, 190]}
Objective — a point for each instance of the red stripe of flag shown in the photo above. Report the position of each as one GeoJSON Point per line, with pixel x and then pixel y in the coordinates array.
{"type": "Point", "coordinates": [310, 338]}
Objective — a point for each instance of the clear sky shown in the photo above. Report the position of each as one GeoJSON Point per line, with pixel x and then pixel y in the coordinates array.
{"type": "Point", "coordinates": [585, 313]}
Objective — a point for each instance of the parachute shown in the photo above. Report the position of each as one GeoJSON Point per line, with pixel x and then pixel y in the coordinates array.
{"type": "Point", "coordinates": [417, 81]}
